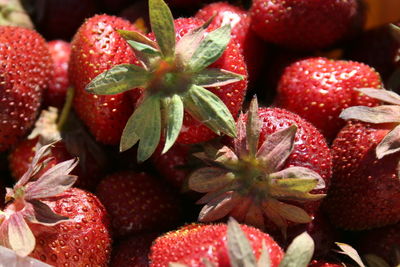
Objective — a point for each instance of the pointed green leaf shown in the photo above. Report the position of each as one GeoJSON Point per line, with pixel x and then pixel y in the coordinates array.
{"type": "Point", "coordinates": [143, 125]}
{"type": "Point", "coordinates": [210, 49]}
{"type": "Point", "coordinates": [137, 37]}
{"type": "Point", "coordinates": [162, 24]}
{"type": "Point", "coordinates": [174, 119]}
{"type": "Point", "coordinates": [299, 252]}
{"type": "Point", "coordinates": [144, 48]}
{"type": "Point", "coordinates": [209, 179]}
{"type": "Point", "coordinates": [253, 127]}
{"type": "Point", "coordinates": [300, 173]}
{"type": "Point", "coordinates": [302, 185]}
{"type": "Point", "coordinates": [379, 114]}
{"type": "Point", "coordinates": [20, 236]}
{"type": "Point", "coordinates": [239, 249]}
{"type": "Point", "coordinates": [206, 107]}
{"type": "Point", "coordinates": [215, 77]}
{"type": "Point", "coordinates": [389, 144]}
{"type": "Point", "coordinates": [351, 252]}
{"type": "Point", "coordinates": [118, 79]}
{"type": "Point", "coordinates": [264, 260]}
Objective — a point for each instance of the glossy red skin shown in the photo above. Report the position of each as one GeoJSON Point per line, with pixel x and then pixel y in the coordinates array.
{"type": "Point", "coordinates": [318, 89]}
{"type": "Point", "coordinates": [97, 47]}
{"type": "Point", "coordinates": [54, 95]}
{"type": "Point", "coordinates": [252, 47]}
{"type": "Point", "coordinates": [191, 243]}
{"type": "Point", "coordinates": [133, 251]}
{"type": "Point", "coordinates": [21, 157]}
{"type": "Point", "coordinates": [84, 239]}
{"type": "Point", "coordinates": [365, 191]}
{"type": "Point", "coordinates": [25, 71]}
{"type": "Point", "coordinates": [310, 151]}
{"type": "Point", "coordinates": [171, 165]}
{"type": "Point", "coordinates": [304, 24]}
{"type": "Point", "coordinates": [377, 48]}
{"type": "Point", "coordinates": [138, 202]}
{"type": "Point", "coordinates": [381, 242]}
{"type": "Point", "coordinates": [232, 95]}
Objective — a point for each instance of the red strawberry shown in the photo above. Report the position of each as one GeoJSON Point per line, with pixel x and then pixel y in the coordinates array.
{"type": "Point", "coordinates": [251, 46]}
{"type": "Point", "coordinates": [378, 48]}
{"type": "Point", "coordinates": [55, 94]}
{"type": "Point", "coordinates": [304, 24]}
{"type": "Point", "coordinates": [49, 220]}
{"type": "Point", "coordinates": [383, 242]}
{"type": "Point", "coordinates": [24, 72]}
{"type": "Point", "coordinates": [133, 251]}
{"type": "Point", "coordinates": [193, 243]}
{"type": "Point", "coordinates": [318, 89]}
{"type": "Point", "coordinates": [138, 202]}
{"type": "Point", "coordinates": [253, 179]}
{"type": "Point", "coordinates": [365, 189]}
{"type": "Point", "coordinates": [97, 47]}
{"type": "Point", "coordinates": [176, 71]}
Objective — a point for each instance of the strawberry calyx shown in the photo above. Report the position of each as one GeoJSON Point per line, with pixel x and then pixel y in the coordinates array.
{"type": "Point", "coordinates": [25, 203]}
{"type": "Point", "coordinates": [12, 13]}
{"type": "Point", "coordinates": [384, 114]}
{"type": "Point", "coordinates": [174, 76]}
{"type": "Point", "coordinates": [249, 183]}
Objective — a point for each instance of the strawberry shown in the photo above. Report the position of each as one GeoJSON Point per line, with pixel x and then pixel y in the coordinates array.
{"type": "Point", "coordinates": [193, 244]}
{"type": "Point", "coordinates": [378, 48]}
{"type": "Point", "coordinates": [55, 94]}
{"type": "Point", "coordinates": [97, 47]}
{"type": "Point", "coordinates": [365, 189]}
{"type": "Point", "coordinates": [133, 251]}
{"type": "Point", "coordinates": [382, 242]}
{"type": "Point", "coordinates": [25, 71]}
{"type": "Point", "coordinates": [175, 71]}
{"type": "Point", "coordinates": [318, 89]}
{"type": "Point", "coordinates": [273, 175]}
{"type": "Point", "coordinates": [76, 142]}
{"type": "Point", "coordinates": [251, 46]}
{"type": "Point", "coordinates": [304, 24]}
{"type": "Point", "coordinates": [48, 220]}
{"type": "Point", "coordinates": [138, 202]}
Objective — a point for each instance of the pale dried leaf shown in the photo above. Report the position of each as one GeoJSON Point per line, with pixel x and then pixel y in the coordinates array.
{"type": "Point", "coordinates": [381, 94]}
{"type": "Point", "coordinates": [9, 258]}
{"type": "Point", "coordinates": [299, 252]}
{"type": "Point", "coordinates": [351, 252]}
{"type": "Point", "coordinates": [219, 207]}
{"type": "Point", "coordinates": [209, 179]}
{"type": "Point", "coordinates": [240, 143]}
{"type": "Point", "coordinates": [253, 127]}
{"type": "Point", "coordinates": [390, 144]}
{"type": "Point", "coordinates": [380, 114]}
{"type": "Point", "coordinates": [264, 260]}
{"type": "Point", "coordinates": [20, 236]}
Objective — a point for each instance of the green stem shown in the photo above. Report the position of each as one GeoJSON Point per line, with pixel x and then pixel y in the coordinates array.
{"type": "Point", "coordinates": [66, 109]}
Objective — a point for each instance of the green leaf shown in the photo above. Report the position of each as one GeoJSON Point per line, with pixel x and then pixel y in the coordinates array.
{"type": "Point", "coordinates": [209, 179]}
{"type": "Point", "coordinates": [162, 24]}
{"type": "Point", "coordinates": [143, 125]}
{"type": "Point", "coordinates": [351, 252]}
{"type": "Point", "coordinates": [174, 119]}
{"type": "Point", "coordinates": [210, 49]}
{"type": "Point", "coordinates": [137, 37]}
{"type": "Point", "coordinates": [144, 48]}
{"type": "Point", "coordinates": [297, 184]}
{"type": "Point", "coordinates": [299, 252]}
{"type": "Point", "coordinates": [286, 194]}
{"type": "Point", "coordinates": [118, 79]}
{"type": "Point", "coordinates": [215, 77]}
{"type": "Point", "coordinates": [253, 127]}
{"type": "Point", "coordinates": [300, 173]}
{"type": "Point", "coordinates": [239, 249]}
{"type": "Point", "coordinates": [375, 261]}
{"type": "Point", "coordinates": [206, 107]}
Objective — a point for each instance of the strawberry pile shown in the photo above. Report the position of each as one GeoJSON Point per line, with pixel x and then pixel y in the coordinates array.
{"type": "Point", "coordinates": [253, 133]}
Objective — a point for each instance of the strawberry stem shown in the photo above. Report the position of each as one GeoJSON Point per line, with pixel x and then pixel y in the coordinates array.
{"type": "Point", "coordinates": [66, 109]}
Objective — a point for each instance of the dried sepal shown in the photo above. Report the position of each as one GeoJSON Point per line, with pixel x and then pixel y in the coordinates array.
{"type": "Point", "coordinates": [209, 179]}
{"type": "Point", "coordinates": [390, 144]}
{"type": "Point", "coordinates": [385, 96]}
{"type": "Point", "coordinates": [264, 260]}
{"type": "Point", "coordinates": [276, 148]}
{"type": "Point", "coordinates": [46, 127]}
{"type": "Point", "coordinates": [240, 142]}
{"type": "Point", "coordinates": [255, 216]}
{"type": "Point", "coordinates": [348, 250]}
{"type": "Point", "coordinates": [20, 237]}
{"type": "Point", "coordinates": [379, 114]}
{"type": "Point", "coordinates": [219, 207]}
{"type": "Point", "coordinates": [253, 127]}
{"type": "Point", "coordinates": [9, 258]}
{"type": "Point", "coordinates": [300, 173]}
{"type": "Point", "coordinates": [39, 212]}
{"type": "Point", "coordinates": [373, 260]}
{"type": "Point", "coordinates": [239, 249]}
